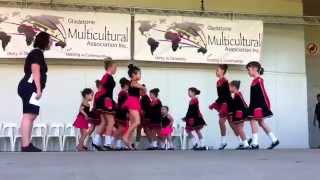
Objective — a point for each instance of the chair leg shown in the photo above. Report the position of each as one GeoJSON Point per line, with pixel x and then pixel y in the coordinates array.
{"type": "Point", "coordinates": [61, 144]}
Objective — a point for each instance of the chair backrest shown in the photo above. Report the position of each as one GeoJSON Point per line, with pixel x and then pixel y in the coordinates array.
{"type": "Point", "coordinates": [1, 125]}
{"type": "Point", "coordinates": [56, 129]}
{"type": "Point", "coordinates": [69, 130]}
{"type": "Point", "coordinates": [177, 130]}
{"type": "Point", "coordinates": [9, 129]}
{"type": "Point", "coordinates": [39, 129]}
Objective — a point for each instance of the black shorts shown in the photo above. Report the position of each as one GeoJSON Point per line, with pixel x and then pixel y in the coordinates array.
{"type": "Point", "coordinates": [25, 91]}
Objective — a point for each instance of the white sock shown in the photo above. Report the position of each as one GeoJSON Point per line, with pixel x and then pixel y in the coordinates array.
{"type": "Point", "coordinates": [201, 142]}
{"type": "Point", "coordinates": [272, 137]}
{"type": "Point", "coordinates": [240, 140]}
{"type": "Point", "coordinates": [163, 145]}
{"type": "Point", "coordinates": [123, 145]}
{"type": "Point", "coordinates": [97, 139]}
{"type": "Point", "coordinates": [255, 139]}
{"type": "Point", "coordinates": [154, 144]}
{"type": "Point", "coordinates": [108, 141]}
{"type": "Point", "coordinates": [245, 143]}
{"type": "Point", "coordinates": [190, 140]}
{"type": "Point", "coordinates": [118, 143]}
{"type": "Point", "coordinates": [223, 140]}
{"type": "Point", "coordinates": [171, 144]}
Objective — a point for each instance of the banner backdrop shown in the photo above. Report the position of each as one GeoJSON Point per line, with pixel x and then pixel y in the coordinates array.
{"type": "Point", "coordinates": [197, 40]}
{"type": "Point", "coordinates": [76, 35]}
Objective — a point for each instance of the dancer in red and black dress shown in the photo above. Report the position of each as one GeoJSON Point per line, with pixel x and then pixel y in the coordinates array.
{"type": "Point", "coordinates": [83, 119]}
{"type": "Point", "coordinates": [194, 120]}
{"type": "Point", "coordinates": [105, 104]}
{"type": "Point", "coordinates": [155, 118]}
{"type": "Point", "coordinates": [133, 104]}
{"type": "Point", "coordinates": [223, 104]}
{"type": "Point", "coordinates": [239, 114]}
{"type": "Point", "coordinates": [145, 102]}
{"type": "Point", "coordinates": [122, 120]}
{"type": "Point", "coordinates": [259, 107]}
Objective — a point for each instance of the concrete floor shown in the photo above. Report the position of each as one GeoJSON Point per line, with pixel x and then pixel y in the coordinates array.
{"type": "Point", "coordinates": [178, 165]}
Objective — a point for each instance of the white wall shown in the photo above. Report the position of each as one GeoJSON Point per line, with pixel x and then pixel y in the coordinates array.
{"type": "Point", "coordinates": [312, 34]}
{"type": "Point", "coordinates": [284, 62]}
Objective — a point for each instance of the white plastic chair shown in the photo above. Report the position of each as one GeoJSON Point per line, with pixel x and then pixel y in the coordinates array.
{"type": "Point", "coordinates": [185, 139]}
{"type": "Point", "coordinates": [6, 137]}
{"type": "Point", "coordinates": [54, 137]}
{"type": "Point", "coordinates": [17, 139]}
{"type": "Point", "coordinates": [70, 138]}
{"type": "Point", "coordinates": [39, 133]}
{"type": "Point", "coordinates": [177, 136]}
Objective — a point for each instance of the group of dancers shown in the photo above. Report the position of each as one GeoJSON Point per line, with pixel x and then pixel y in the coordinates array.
{"type": "Point", "coordinates": [137, 110]}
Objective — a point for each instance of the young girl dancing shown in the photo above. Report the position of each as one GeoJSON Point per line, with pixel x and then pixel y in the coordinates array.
{"type": "Point", "coordinates": [122, 120]}
{"type": "Point", "coordinates": [145, 102]}
{"type": "Point", "coordinates": [223, 104]}
{"type": "Point", "coordinates": [133, 104]}
{"type": "Point", "coordinates": [166, 129]}
{"type": "Point", "coordinates": [194, 120]}
{"type": "Point", "coordinates": [155, 118]}
{"type": "Point", "coordinates": [105, 104]}
{"type": "Point", "coordinates": [239, 114]}
{"type": "Point", "coordinates": [83, 118]}
{"type": "Point", "coordinates": [259, 107]}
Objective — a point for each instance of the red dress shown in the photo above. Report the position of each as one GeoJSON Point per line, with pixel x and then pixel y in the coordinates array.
{"type": "Point", "coordinates": [104, 97]}
{"type": "Point", "coordinates": [133, 100]}
{"type": "Point", "coordinates": [81, 121]}
{"type": "Point", "coordinates": [194, 119]}
{"type": "Point", "coordinates": [224, 102]}
{"type": "Point", "coordinates": [121, 115]}
{"type": "Point", "coordinates": [260, 106]}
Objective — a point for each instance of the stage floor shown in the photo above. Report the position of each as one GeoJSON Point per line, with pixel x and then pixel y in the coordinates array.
{"type": "Point", "coordinates": [177, 165]}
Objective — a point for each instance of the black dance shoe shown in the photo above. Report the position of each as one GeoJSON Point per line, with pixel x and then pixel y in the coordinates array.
{"type": "Point", "coordinates": [195, 147]}
{"type": "Point", "coordinates": [98, 148]}
{"type": "Point", "coordinates": [171, 149]}
{"type": "Point", "coordinates": [249, 141]}
{"type": "Point", "coordinates": [274, 144]}
{"type": "Point", "coordinates": [240, 147]}
{"type": "Point", "coordinates": [203, 148]}
{"type": "Point", "coordinates": [152, 148]}
{"type": "Point", "coordinates": [223, 146]}
{"type": "Point", "coordinates": [254, 147]}
{"type": "Point", "coordinates": [107, 148]}
{"type": "Point", "coordinates": [30, 148]}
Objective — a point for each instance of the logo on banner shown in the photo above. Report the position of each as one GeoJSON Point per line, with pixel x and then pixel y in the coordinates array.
{"type": "Point", "coordinates": [313, 49]}
{"type": "Point", "coordinates": [197, 39]}
{"type": "Point", "coordinates": [179, 35]}
{"type": "Point", "coordinates": [78, 35]}
{"type": "Point", "coordinates": [30, 26]}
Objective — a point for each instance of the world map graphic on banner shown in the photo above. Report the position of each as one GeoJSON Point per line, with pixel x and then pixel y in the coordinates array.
{"type": "Point", "coordinates": [75, 35]}
{"type": "Point", "coordinates": [197, 40]}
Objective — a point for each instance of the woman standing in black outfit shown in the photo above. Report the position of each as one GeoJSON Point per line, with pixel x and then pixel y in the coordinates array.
{"type": "Point", "coordinates": [31, 87]}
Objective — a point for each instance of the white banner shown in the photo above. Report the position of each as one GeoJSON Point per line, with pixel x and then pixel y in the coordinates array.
{"type": "Point", "coordinates": [76, 35]}
{"type": "Point", "coordinates": [197, 40]}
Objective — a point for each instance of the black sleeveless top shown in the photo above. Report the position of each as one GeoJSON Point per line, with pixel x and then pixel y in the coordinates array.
{"type": "Point", "coordinates": [134, 91]}
{"type": "Point", "coordinates": [36, 57]}
{"type": "Point", "coordinates": [86, 108]}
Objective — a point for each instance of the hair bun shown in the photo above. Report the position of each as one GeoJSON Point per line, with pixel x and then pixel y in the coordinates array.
{"type": "Point", "coordinates": [130, 66]}
{"type": "Point", "coordinates": [261, 71]}
{"type": "Point", "coordinates": [198, 92]}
